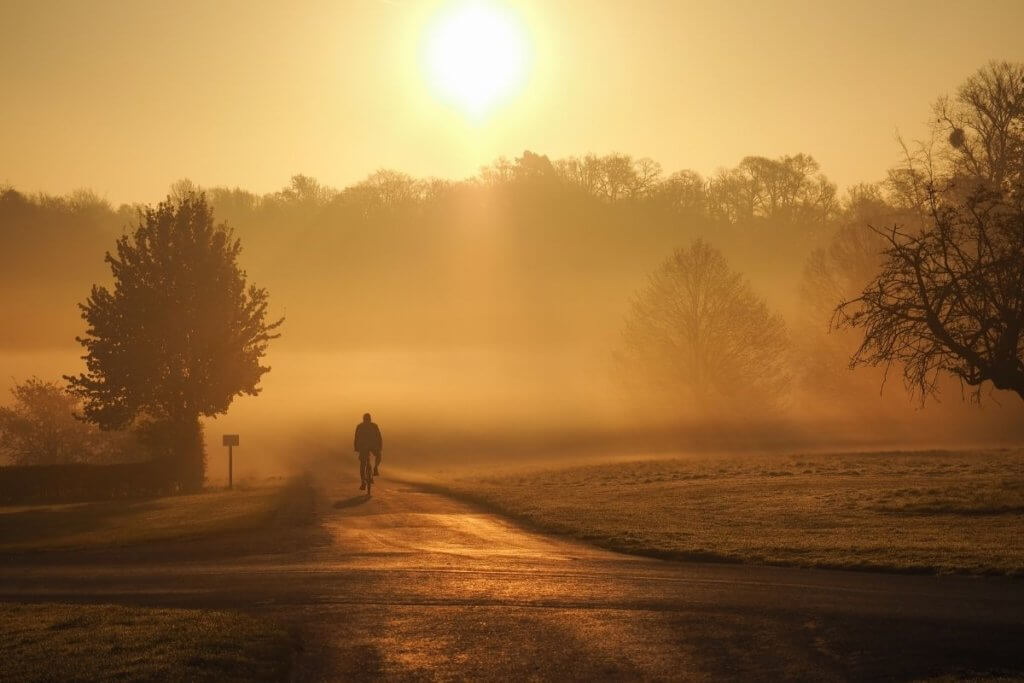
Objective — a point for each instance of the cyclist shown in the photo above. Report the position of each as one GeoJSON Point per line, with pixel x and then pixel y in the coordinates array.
{"type": "Point", "coordinates": [367, 441]}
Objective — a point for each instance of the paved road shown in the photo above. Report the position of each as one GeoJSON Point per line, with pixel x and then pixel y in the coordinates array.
{"type": "Point", "coordinates": [411, 584]}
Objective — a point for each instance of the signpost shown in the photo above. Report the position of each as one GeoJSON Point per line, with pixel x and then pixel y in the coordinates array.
{"type": "Point", "coordinates": [230, 440]}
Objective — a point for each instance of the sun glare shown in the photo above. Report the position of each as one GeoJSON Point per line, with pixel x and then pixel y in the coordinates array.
{"type": "Point", "coordinates": [476, 56]}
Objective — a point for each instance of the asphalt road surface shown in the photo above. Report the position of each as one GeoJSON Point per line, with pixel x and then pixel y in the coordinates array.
{"type": "Point", "coordinates": [413, 585]}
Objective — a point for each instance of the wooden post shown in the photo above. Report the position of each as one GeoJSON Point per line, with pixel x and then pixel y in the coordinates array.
{"type": "Point", "coordinates": [230, 440]}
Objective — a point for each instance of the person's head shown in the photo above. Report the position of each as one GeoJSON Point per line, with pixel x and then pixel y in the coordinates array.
{"type": "Point", "coordinates": [366, 417]}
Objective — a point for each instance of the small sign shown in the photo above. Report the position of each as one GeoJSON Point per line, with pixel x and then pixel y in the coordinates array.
{"type": "Point", "coordinates": [231, 439]}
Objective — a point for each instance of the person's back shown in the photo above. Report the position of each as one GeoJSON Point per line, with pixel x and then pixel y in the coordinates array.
{"type": "Point", "coordinates": [368, 441]}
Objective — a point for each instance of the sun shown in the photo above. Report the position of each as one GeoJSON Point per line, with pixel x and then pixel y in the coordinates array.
{"type": "Point", "coordinates": [475, 56]}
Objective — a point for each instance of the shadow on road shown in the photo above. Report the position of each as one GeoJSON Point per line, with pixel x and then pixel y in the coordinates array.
{"type": "Point", "coordinates": [351, 502]}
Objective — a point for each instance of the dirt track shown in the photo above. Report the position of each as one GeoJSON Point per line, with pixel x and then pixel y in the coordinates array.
{"type": "Point", "coordinates": [411, 584]}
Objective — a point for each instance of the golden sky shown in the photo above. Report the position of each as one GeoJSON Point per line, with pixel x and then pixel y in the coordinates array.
{"type": "Point", "coordinates": [126, 96]}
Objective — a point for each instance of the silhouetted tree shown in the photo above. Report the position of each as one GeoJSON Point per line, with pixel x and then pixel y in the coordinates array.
{"type": "Point", "coordinates": [852, 257]}
{"type": "Point", "coordinates": [698, 331]}
{"type": "Point", "coordinates": [685, 192]}
{"type": "Point", "coordinates": [907, 189]}
{"type": "Point", "coordinates": [613, 177]}
{"type": "Point", "coordinates": [789, 189]}
{"type": "Point", "coordinates": [49, 248]}
{"type": "Point", "coordinates": [950, 299]}
{"type": "Point", "coordinates": [392, 189]}
{"type": "Point", "coordinates": [179, 336]}
{"type": "Point", "coordinates": [586, 173]}
{"type": "Point", "coordinates": [304, 190]}
{"type": "Point", "coordinates": [836, 272]}
{"type": "Point", "coordinates": [40, 428]}
{"type": "Point", "coordinates": [559, 228]}
{"type": "Point", "coordinates": [984, 126]}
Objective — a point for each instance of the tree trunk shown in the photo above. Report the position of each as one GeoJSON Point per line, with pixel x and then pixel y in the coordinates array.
{"type": "Point", "coordinates": [189, 453]}
{"type": "Point", "coordinates": [177, 443]}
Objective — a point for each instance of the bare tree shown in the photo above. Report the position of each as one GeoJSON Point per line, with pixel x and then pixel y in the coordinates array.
{"type": "Point", "coordinates": [585, 173]}
{"type": "Point", "coordinates": [853, 255]}
{"type": "Point", "coordinates": [648, 174]}
{"type": "Point", "coordinates": [697, 331]}
{"type": "Point", "coordinates": [949, 299]}
{"type": "Point", "coordinates": [836, 272]}
{"type": "Point", "coordinates": [612, 177]}
{"type": "Point", "coordinates": [790, 188]}
{"type": "Point", "coordinates": [384, 189]}
{"type": "Point", "coordinates": [684, 191]}
{"type": "Point", "coordinates": [302, 190]}
{"type": "Point", "coordinates": [984, 124]}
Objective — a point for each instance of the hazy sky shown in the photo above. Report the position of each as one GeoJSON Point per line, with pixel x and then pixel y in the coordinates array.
{"type": "Point", "coordinates": [127, 96]}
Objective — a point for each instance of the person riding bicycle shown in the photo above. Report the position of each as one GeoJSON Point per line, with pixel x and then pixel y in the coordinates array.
{"type": "Point", "coordinates": [367, 441]}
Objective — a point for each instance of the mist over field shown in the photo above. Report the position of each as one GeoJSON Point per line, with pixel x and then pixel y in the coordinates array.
{"type": "Point", "coordinates": [486, 317]}
{"type": "Point", "coordinates": [508, 267]}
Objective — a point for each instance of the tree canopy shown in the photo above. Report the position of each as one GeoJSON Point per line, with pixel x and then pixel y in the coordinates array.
{"type": "Point", "coordinates": [949, 299]}
{"type": "Point", "coordinates": [180, 334]}
{"type": "Point", "coordinates": [698, 333]}
{"type": "Point", "coordinates": [39, 427]}
{"type": "Point", "coordinates": [949, 296]}
{"type": "Point", "coordinates": [984, 126]}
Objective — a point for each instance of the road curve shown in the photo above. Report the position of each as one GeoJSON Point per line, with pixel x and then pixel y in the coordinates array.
{"type": "Point", "coordinates": [411, 584]}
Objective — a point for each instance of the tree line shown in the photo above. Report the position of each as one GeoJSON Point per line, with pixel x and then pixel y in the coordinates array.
{"type": "Point", "coordinates": [600, 221]}
{"type": "Point", "coordinates": [924, 265]}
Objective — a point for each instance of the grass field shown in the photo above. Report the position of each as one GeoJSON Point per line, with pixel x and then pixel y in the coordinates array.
{"type": "Point", "coordinates": [58, 642]}
{"type": "Point", "coordinates": [959, 512]}
{"type": "Point", "coordinates": [108, 523]}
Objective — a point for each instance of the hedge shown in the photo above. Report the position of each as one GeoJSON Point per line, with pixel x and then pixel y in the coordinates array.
{"type": "Point", "coordinates": [81, 482]}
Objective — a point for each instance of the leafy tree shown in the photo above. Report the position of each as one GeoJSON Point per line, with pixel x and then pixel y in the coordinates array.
{"type": "Point", "coordinates": [40, 428]}
{"type": "Point", "coordinates": [179, 336]}
{"type": "Point", "coordinates": [699, 333]}
{"type": "Point", "coordinates": [950, 299]}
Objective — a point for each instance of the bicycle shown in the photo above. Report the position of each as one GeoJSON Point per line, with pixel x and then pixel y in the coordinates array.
{"type": "Point", "coordinates": [366, 472]}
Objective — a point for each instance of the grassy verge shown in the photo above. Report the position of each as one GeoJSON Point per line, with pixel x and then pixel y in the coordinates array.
{"type": "Point", "coordinates": [57, 642]}
{"type": "Point", "coordinates": [928, 512]}
{"type": "Point", "coordinates": [79, 525]}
